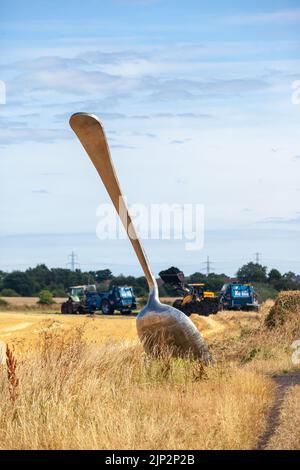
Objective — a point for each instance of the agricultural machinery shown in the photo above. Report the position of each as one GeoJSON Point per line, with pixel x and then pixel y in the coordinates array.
{"type": "Point", "coordinates": [86, 299]}
{"type": "Point", "coordinates": [238, 297]}
{"type": "Point", "coordinates": [194, 297]}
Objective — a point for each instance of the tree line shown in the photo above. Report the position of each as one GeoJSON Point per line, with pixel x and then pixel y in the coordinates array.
{"type": "Point", "coordinates": [57, 280]}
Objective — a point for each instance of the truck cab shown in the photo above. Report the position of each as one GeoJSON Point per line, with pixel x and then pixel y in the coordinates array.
{"type": "Point", "coordinates": [76, 293]}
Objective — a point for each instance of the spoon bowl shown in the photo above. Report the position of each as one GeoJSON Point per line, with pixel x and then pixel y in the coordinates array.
{"type": "Point", "coordinates": [162, 327]}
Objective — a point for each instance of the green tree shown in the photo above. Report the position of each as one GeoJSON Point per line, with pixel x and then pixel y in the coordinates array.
{"type": "Point", "coordinates": [196, 277]}
{"type": "Point", "coordinates": [265, 291]}
{"type": "Point", "coordinates": [20, 282]}
{"type": "Point", "coordinates": [2, 276]}
{"type": "Point", "coordinates": [45, 297]}
{"type": "Point", "coordinates": [213, 281]}
{"type": "Point", "coordinates": [274, 275]}
{"type": "Point", "coordinates": [252, 272]}
{"type": "Point", "coordinates": [122, 280]}
{"type": "Point", "coordinates": [9, 293]}
{"type": "Point", "coordinates": [290, 276]}
{"type": "Point", "coordinates": [40, 277]}
{"type": "Point", "coordinates": [103, 275]}
{"type": "Point", "coordinates": [57, 290]}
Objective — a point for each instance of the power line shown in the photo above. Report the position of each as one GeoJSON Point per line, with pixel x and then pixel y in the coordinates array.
{"type": "Point", "coordinates": [73, 263]}
{"type": "Point", "coordinates": [257, 260]}
{"type": "Point", "coordinates": [208, 265]}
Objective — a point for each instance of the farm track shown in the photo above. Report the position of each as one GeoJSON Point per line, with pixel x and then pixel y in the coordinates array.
{"type": "Point", "coordinates": [283, 383]}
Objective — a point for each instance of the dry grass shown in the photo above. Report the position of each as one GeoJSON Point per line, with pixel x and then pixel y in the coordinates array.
{"type": "Point", "coordinates": [287, 303]}
{"type": "Point", "coordinates": [287, 435]}
{"type": "Point", "coordinates": [82, 387]}
{"type": "Point", "coordinates": [23, 329]}
{"type": "Point", "coordinates": [78, 396]}
{"type": "Point", "coordinates": [29, 304]}
{"type": "Point", "coordinates": [259, 348]}
{"type": "Point", "coordinates": [12, 378]}
{"type": "Point", "coordinates": [266, 307]}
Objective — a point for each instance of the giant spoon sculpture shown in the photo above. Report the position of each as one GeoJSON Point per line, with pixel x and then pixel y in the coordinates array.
{"type": "Point", "coordinates": [160, 327]}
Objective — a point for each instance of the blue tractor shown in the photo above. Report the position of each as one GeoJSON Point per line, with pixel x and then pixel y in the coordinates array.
{"type": "Point", "coordinates": [86, 299]}
{"type": "Point", "coordinates": [238, 297]}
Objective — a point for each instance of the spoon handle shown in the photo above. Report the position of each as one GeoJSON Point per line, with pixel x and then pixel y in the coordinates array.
{"type": "Point", "coordinates": [90, 132]}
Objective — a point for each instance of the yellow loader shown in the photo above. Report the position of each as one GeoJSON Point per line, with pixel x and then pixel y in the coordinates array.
{"type": "Point", "coordinates": [195, 298]}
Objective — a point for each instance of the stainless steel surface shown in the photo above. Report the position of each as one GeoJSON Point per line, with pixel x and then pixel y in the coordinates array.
{"type": "Point", "coordinates": [2, 353]}
{"type": "Point", "coordinates": [160, 327]}
{"type": "Point", "coordinates": [164, 329]}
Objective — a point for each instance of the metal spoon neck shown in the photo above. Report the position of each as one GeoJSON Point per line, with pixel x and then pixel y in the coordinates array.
{"type": "Point", "coordinates": [153, 293]}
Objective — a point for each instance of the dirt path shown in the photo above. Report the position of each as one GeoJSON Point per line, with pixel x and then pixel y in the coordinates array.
{"type": "Point", "coordinates": [283, 383]}
{"type": "Point", "coordinates": [20, 326]}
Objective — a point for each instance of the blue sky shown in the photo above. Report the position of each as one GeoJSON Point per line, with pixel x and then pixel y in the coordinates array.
{"type": "Point", "coordinates": [196, 101]}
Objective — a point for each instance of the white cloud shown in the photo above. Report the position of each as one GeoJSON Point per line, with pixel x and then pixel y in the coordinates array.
{"type": "Point", "coordinates": [48, 62]}
{"type": "Point", "coordinates": [266, 17]}
{"type": "Point", "coordinates": [77, 82]}
{"type": "Point", "coordinates": [281, 220]}
{"type": "Point", "coordinates": [21, 135]}
{"type": "Point", "coordinates": [40, 191]}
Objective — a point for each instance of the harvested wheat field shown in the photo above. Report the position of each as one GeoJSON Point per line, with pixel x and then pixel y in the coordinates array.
{"type": "Point", "coordinates": [23, 329]}
{"type": "Point", "coordinates": [85, 383]}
